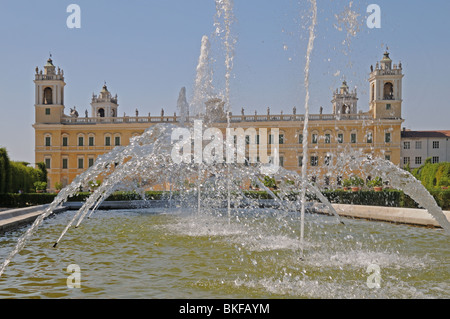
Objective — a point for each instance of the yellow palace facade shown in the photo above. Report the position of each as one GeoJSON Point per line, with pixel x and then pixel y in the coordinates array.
{"type": "Point", "coordinates": [70, 143]}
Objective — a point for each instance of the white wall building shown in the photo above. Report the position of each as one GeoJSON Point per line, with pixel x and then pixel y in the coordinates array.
{"type": "Point", "coordinates": [417, 146]}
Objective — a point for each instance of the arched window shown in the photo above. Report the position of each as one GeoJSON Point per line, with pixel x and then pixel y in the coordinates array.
{"type": "Point", "coordinates": [373, 92]}
{"type": "Point", "coordinates": [101, 112]}
{"type": "Point", "coordinates": [388, 91]}
{"type": "Point", "coordinates": [48, 96]}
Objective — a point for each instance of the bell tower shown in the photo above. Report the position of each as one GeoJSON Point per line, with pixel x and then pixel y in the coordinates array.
{"type": "Point", "coordinates": [345, 101]}
{"type": "Point", "coordinates": [49, 94]}
{"type": "Point", "coordinates": [104, 104]}
{"type": "Point", "coordinates": [386, 89]}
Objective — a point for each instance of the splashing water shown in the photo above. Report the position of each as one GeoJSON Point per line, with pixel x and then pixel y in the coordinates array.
{"type": "Point", "coordinates": [203, 89]}
{"type": "Point", "coordinates": [224, 9]}
{"type": "Point", "coordinates": [348, 21]}
{"type": "Point", "coordinates": [183, 106]}
{"type": "Point", "coordinates": [148, 159]}
{"type": "Point", "coordinates": [224, 22]}
{"type": "Point", "coordinates": [305, 125]}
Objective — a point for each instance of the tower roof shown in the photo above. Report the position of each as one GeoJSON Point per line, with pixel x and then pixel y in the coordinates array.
{"type": "Point", "coordinates": [344, 87]}
{"type": "Point", "coordinates": [49, 62]}
{"type": "Point", "coordinates": [386, 57]}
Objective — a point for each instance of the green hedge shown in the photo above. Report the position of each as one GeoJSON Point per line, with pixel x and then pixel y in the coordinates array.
{"type": "Point", "coordinates": [442, 197]}
{"type": "Point", "coordinates": [120, 196]}
{"type": "Point", "coordinates": [25, 200]}
{"type": "Point", "coordinates": [34, 199]}
{"type": "Point", "coordinates": [387, 198]}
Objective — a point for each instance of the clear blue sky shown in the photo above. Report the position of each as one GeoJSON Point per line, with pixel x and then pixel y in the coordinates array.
{"type": "Point", "coordinates": [147, 50]}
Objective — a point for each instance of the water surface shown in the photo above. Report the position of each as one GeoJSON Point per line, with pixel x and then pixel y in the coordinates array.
{"type": "Point", "coordinates": [157, 254]}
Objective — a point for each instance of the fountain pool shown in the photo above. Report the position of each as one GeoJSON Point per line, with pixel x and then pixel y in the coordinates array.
{"type": "Point", "coordinates": [148, 253]}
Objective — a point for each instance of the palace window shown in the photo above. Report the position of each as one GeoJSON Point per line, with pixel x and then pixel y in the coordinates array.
{"type": "Point", "coordinates": [369, 137]}
{"type": "Point", "coordinates": [314, 161]}
{"type": "Point", "coordinates": [435, 144]}
{"type": "Point", "coordinates": [387, 137]}
{"type": "Point", "coordinates": [406, 145]}
{"type": "Point", "coordinates": [300, 161]}
{"type": "Point", "coordinates": [80, 163]}
{"type": "Point", "coordinates": [90, 162]}
{"type": "Point", "coordinates": [388, 106]}
{"type": "Point", "coordinates": [65, 141]}
{"type": "Point", "coordinates": [418, 160]}
{"type": "Point", "coordinates": [80, 141]}
{"type": "Point", "coordinates": [48, 141]}
{"type": "Point", "coordinates": [353, 138]}
{"type": "Point", "coordinates": [406, 160]}
{"type": "Point", "coordinates": [91, 141]}
{"type": "Point", "coordinates": [387, 157]}
{"type": "Point", "coordinates": [48, 162]}
{"type": "Point", "coordinates": [65, 163]}
{"type": "Point", "coordinates": [435, 159]}
{"type": "Point", "coordinates": [47, 111]}
{"type": "Point", "coordinates": [328, 160]}
{"type": "Point", "coordinates": [327, 138]}
{"type": "Point", "coordinates": [117, 141]}
{"type": "Point", "coordinates": [314, 138]}
{"type": "Point", "coordinates": [340, 138]}
{"type": "Point", "coordinates": [300, 139]}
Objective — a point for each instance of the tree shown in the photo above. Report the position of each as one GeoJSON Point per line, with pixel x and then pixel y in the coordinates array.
{"type": "Point", "coordinates": [431, 175]}
{"type": "Point", "coordinates": [5, 171]}
{"type": "Point", "coordinates": [19, 176]}
{"type": "Point", "coordinates": [43, 176]}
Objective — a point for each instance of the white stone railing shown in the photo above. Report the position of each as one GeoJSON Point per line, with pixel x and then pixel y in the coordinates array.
{"type": "Point", "coordinates": [233, 118]}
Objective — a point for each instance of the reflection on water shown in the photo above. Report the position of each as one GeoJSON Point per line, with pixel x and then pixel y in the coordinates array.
{"type": "Point", "coordinates": [143, 254]}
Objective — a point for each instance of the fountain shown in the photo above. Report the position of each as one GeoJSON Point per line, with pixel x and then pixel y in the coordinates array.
{"type": "Point", "coordinates": [213, 238]}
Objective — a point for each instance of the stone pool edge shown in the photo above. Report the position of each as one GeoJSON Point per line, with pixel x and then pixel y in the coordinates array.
{"type": "Point", "coordinates": [408, 216]}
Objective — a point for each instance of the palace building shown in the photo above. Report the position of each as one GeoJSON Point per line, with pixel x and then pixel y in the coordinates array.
{"type": "Point", "coordinates": [70, 143]}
